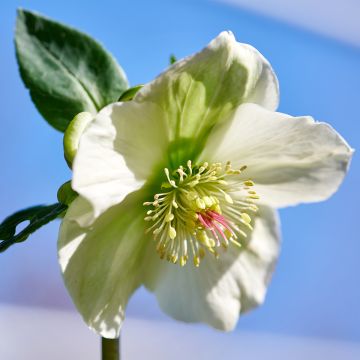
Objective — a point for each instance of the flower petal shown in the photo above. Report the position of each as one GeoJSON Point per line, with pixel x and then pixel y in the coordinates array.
{"type": "Point", "coordinates": [217, 291]}
{"type": "Point", "coordinates": [101, 264]}
{"type": "Point", "coordinates": [290, 159]}
{"type": "Point", "coordinates": [100, 173]}
{"type": "Point", "coordinates": [201, 90]}
{"type": "Point", "coordinates": [141, 136]}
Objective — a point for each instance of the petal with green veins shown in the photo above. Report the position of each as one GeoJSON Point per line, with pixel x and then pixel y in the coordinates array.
{"type": "Point", "coordinates": [201, 90]}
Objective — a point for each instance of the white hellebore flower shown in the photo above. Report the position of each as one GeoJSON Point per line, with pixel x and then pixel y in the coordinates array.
{"type": "Point", "coordinates": [178, 189]}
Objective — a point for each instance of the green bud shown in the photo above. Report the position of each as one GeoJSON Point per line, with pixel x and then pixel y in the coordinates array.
{"type": "Point", "coordinates": [73, 133]}
{"type": "Point", "coordinates": [66, 195]}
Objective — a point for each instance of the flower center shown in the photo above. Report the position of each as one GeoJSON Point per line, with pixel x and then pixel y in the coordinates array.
{"type": "Point", "coordinates": [201, 209]}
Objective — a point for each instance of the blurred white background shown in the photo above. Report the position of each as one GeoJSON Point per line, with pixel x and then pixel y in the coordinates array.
{"type": "Point", "coordinates": [335, 18]}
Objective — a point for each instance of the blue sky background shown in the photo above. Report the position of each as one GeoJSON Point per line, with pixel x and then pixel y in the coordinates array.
{"type": "Point", "coordinates": [315, 290]}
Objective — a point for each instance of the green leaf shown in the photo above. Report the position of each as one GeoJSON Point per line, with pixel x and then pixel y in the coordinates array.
{"type": "Point", "coordinates": [66, 71]}
{"type": "Point", "coordinates": [37, 217]}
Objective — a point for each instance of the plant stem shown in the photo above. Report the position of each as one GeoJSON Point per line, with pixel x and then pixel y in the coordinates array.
{"type": "Point", "coordinates": [110, 349]}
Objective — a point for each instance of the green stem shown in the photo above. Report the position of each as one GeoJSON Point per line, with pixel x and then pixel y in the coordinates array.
{"type": "Point", "coordinates": [110, 349]}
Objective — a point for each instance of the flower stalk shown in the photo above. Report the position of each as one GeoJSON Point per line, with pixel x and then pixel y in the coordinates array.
{"type": "Point", "coordinates": [110, 349]}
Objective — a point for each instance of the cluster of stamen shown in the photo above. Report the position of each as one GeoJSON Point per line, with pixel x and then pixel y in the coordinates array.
{"type": "Point", "coordinates": [201, 209]}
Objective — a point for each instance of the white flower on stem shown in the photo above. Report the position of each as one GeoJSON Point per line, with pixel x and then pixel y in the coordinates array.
{"type": "Point", "coordinates": [178, 189]}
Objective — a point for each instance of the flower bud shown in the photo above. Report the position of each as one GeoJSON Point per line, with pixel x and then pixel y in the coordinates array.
{"type": "Point", "coordinates": [66, 195]}
{"type": "Point", "coordinates": [73, 133]}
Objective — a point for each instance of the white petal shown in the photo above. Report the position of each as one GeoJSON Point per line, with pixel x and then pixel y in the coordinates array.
{"type": "Point", "coordinates": [101, 264]}
{"type": "Point", "coordinates": [265, 90]}
{"type": "Point", "coordinates": [141, 136]}
{"type": "Point", "coordinates": [217, 291]}
{"type": "Point", "coordinates": [114, 147]}
{"type": "Point", "coordinates": [290, 159]}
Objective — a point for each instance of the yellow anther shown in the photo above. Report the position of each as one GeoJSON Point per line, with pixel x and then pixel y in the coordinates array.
{"type": "Point", "coordinates": [172, 233]}
{"type": "Point", "coordinates": [254, 197]}
{"type": "Point", "coordinates": [249, 183]}
{"type": "Point", "coordinates": [197, 260]}
{"type": "Point", "coordinates": [169, 217]}
{"type": "Point", "coordinates": [246, 217]}
{"type": "Point", "coordinates": [183, 260]}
